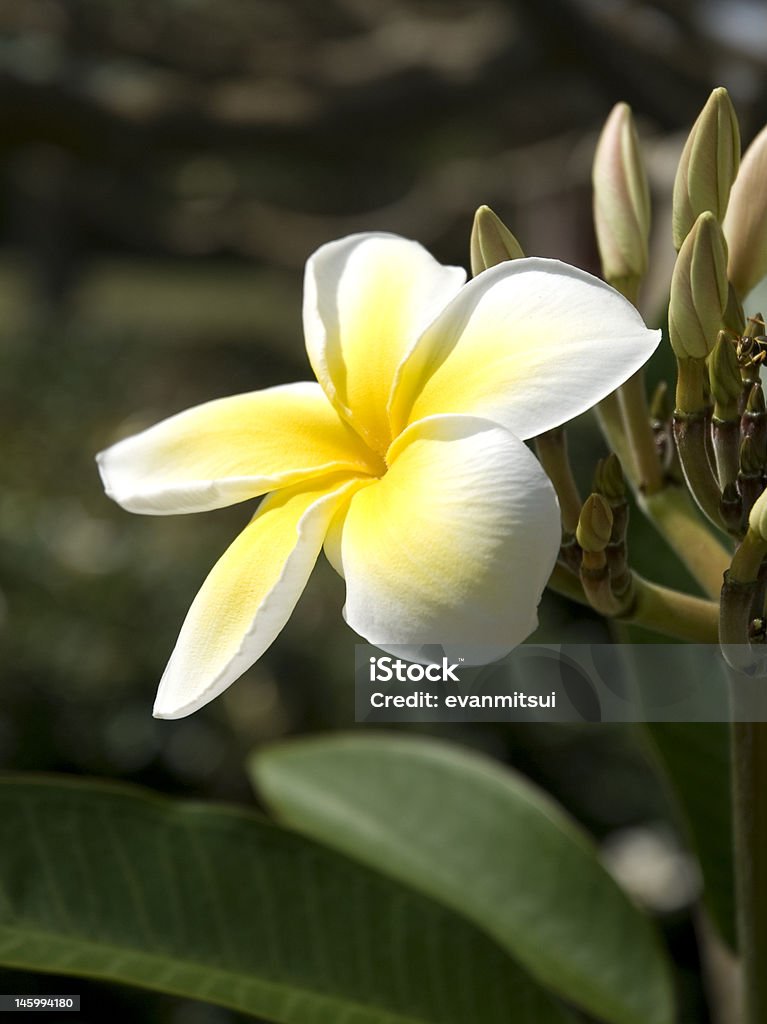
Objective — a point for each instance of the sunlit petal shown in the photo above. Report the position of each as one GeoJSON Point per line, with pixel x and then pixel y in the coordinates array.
{"type": "Point", "coordinates": [529, 344]}
{"type": "Point", "coordinates": [454, 545]}
{"type": "Point", "coordinates": [249, 595]}
{"type": "Point", "coordinates": [367, 298]}
{"type": "Point", "coordinates": [232, 449]}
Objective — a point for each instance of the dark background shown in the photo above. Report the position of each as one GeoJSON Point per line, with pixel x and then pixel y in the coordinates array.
{"type": "Point", "coordinates": [167, 167]}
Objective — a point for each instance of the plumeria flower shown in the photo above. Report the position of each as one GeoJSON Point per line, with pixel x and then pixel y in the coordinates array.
{"type": "Point", "coordinates": [405, 459]}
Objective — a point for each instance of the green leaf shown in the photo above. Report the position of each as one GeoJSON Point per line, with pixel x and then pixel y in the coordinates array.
{"type": "Point", "coordinates": [485, 842]}
{"type": "Point", "coordinates": [220, 905]}
{"type": "Point", "coordinates": [695, 757]}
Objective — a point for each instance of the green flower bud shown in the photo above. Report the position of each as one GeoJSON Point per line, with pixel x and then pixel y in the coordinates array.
{"type": "Point", "coordinates": [609, 480]}
{"type": "Point", "coordinates": [725, 377]}
{"type": "Point", "coordinates": [491, 241]}
{"type": "Point", "coordinates": [621, 199]}
{"type": "Point", "coordinates": [755, 405]}
{"type": "Point", "coordinates": [595, 524]}
{"type": "Point", "coordinates": [698, 290]}
{"type": "Point", "coordinates": [749, 458]}
{"type": "Point", "coordinates": [746, 222]}
{"type": "Point", "coordinates": [734, 318]}
{"type": "Point", "coordinates": [708, 165]}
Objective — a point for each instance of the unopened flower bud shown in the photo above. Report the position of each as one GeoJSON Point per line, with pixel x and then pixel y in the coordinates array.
{"type": "Point", "coordinates": [698, 290]}
{"type": "Point", "coordinates": [609, 480]}
{"type": "Point", "coordinates": [749, 458]}
{"type": "Point", "coordinates": [621, 200]}
{"type": "Point", "coordinates": [755, 405]}
{"type": "Point", "coordinates": [708, 165]}
{"type": "Point", "coordinates": [491, 241]}
{"type": "Point", "coordinates": [733, 318]}
{"type": "Point", "coordinates": [745, 225]}
{"type": "Point", "coordinates": [595, 524]}
{"type": "Point", "coordinates": [725, 377]}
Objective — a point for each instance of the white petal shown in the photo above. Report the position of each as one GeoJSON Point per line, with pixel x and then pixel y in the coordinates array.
{"type": "Point", "coordinates": [455, 544]}
{"type": "Point", "coordinates": [745, 223]}
{"type": "Point", "coordinates": [249, 595]}
{"type": "Point", "coordinates": [529, 344]}
{"type": "Point", "coordinates": [232, 449]}
{"type": "Point", "coordinates": [367, 298]}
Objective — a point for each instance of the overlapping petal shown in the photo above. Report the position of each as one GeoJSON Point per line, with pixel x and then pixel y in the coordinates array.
{"type": "Point", "coordinates": [454, 545]}
{"type": "Point", "coordinates": [405, 460]}
{"type": "Point", "coordinates": [529, 344]}
{"type": "Point", "coordinates": [232, 449]}
{"type": "Point", "coordinates": [249, 595]}
{"type": "Point", "coordinates": [367, 298]}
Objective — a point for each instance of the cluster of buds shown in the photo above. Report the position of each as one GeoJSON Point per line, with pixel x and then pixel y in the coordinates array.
{"type": "Point", "coordinates": [604, 572]}
{"type": "Point", "coordinates": [714, 438]}
{"type": "Point", "coordinates": [719, 230]}
{"type": "Point", "coordinates": [719, 421]}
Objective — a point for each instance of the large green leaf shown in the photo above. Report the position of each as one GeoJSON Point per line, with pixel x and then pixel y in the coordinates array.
{"type": "Point", "coordinates": [696, 759]}
{"type": "Point", "coordinates": [485, 842]}
{"type": "Point", "coordinates": [220, 905]}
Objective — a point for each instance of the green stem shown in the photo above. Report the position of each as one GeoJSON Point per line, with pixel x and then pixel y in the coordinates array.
{"type": "Point", "coordinates": [747, 561]}
{"type": "Point", "coordinates": [673, 613]}
{"type": "Point", "coordinates": [675, 517]}
{"type": "Point", "coordinates": [551, 449]}
{"type": "Point", "coordinates": [658, 608]}
{"type": "Point", "coordinates": [690, 433]}
{"type": "Point", "coordinates": [636, 419]}
{"type": "Point", "coordinates": [691, 376]}
{"type": "Point", "coordinates": [726, 438]}
{"type": "Point", "coordinates": [611, 424]}
{"type": "Point", "coordinates": [563, 581]}
{"type": "Point", "coordinates": [742, 589]}
{"type": "Point", "coordinates": [749, 790]}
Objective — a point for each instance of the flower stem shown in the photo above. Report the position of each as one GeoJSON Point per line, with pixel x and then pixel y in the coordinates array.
{"type": "Point", "coordinates": [675, 517]}
{"type": "Point", "coordinates": [690, 434]}
{"type": "Point", "coordinates": [610, 419]}
{"type": "Point", "coordinates": [636, 418]}
{"type": "Point", "coordinates": [749, 788]}
{"type": "Point", "coordinates": [742, 596]}
{"type": "Point", "coordinates": [551, 449]}
{"type": "Point", "coordinates": [673, 613]}
{"type": "Point", "coordinates": [624, 417]}
{"type": "Point", "coordinates": [658, 608]}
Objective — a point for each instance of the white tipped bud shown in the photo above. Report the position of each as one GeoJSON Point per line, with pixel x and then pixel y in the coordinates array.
{"type": "Point", "coordinates": [745, 225]}
{"type": "Point", "coordinates": [698, 290]}
{"type": "Point", "coordinates": [621, 199]}
{"type": "Point", "coordinates": [708, 165]}
{"type": "Point", "coordinates": [491, 241]}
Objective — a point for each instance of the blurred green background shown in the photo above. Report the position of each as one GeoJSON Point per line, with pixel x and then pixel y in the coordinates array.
{"type": "Point", "coordinates": [167, 168]}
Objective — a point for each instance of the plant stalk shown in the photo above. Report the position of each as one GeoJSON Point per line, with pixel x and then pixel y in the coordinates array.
{"type": "Point", "coordinates": [551, 449]}
{"type": "Point", "coordinates": [636, 418]}
{"type": "Point", "coordinates": [749, 790]}
{"type": "Point", "coordinates": [742, 597]}
{"type": "Point", "coordinates": [675, 517]}
{"type": "Point", "coordinates": [691, 431]}
{"type": "Point", "coordinates": [658, 608]}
